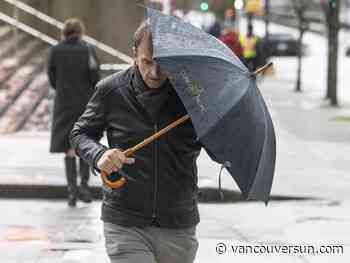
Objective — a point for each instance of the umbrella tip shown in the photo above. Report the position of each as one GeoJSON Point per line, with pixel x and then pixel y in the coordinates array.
{"type": "Point", "coordinates": [262, 69]}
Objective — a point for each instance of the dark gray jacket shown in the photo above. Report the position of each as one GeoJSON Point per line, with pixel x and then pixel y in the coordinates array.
{"type": "Point", "coordinates": [161, 186]}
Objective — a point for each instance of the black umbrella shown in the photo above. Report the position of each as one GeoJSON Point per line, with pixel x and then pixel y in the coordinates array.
{"type": "Point", "coordinates": [221, 97]}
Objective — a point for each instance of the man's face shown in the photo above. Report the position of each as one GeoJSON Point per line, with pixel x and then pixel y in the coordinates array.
{"type": "Point", "coordinates": [151, 72]}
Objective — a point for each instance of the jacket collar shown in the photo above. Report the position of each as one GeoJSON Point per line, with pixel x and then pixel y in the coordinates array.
{"type": "Point", "coordinates": [72, 39]}
{"type": "Point", "coordinates": [152, 100]}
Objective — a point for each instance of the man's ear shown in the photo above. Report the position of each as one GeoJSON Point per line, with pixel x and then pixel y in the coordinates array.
{"type": "Point", "coordinates": [134, 51]}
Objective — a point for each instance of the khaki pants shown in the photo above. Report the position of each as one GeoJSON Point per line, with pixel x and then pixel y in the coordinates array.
{"type": "Point", "coordinates": [150, 244]}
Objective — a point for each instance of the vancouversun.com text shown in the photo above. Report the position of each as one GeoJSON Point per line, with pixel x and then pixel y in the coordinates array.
{"type": "Point", "coordinates": [225, 248]}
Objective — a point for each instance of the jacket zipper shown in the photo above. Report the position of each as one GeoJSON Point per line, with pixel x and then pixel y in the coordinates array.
{"type": "Point", "coordinates": [155, 174]}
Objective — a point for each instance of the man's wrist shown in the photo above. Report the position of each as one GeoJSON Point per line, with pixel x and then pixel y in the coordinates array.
{"type": "Point", "coordinates": [98, 157]}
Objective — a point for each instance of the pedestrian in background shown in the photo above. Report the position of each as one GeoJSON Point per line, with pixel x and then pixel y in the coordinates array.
{"type": "Point", "coordinates": [73, 71]}
{"type": "Point", "coordinates": [230, 37]}
{"type": "Point", "coordinates": [212, 25]}
{"type": "Point", "coordinates": [253, 56]}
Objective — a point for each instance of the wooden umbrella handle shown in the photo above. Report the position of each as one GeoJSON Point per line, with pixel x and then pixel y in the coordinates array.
{"type": "Point", "coordinates": [129, 152]}
{"type": "Point", "coordinates": [121, 181]}
{"type": "Point", "coordinates": [262, 69]}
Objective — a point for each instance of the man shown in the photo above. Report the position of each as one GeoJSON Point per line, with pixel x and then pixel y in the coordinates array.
{"type": "Point", "coordinates": [72, 77]}
{"type": "Point", "coordinates": [153, 216]}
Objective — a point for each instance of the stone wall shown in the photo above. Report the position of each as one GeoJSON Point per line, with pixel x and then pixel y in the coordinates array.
{"type": "Point", "coordinates": [110, 21]}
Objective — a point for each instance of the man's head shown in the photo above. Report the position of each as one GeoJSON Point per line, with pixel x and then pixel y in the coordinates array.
{"type": "Point", "coordinates": [73, 27]}
{"type": "Point", "coordinates": [150, 71]}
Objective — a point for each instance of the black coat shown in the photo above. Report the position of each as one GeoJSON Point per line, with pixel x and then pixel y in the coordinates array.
{"type": "Point", "coordinates": [161, 186]}
{"type": "Point", "coordinates": [74, 81]}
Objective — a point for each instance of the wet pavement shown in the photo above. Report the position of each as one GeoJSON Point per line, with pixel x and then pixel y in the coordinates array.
{"type": "Point", "coordinates": [313, 170]}
{"type": "Point", "coordinates": [50, 231]}
{"type": "Point", "coordinates": [38, 231]}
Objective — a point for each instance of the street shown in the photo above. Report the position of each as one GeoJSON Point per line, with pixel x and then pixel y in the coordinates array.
{"type": "Point", "coordinates": [311, 174]}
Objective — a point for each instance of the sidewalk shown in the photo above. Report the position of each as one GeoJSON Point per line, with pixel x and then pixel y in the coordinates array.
{"type": "Point", "coordinates": [313, 161]}
{"type": "Point", "coordinates": [50, 232]}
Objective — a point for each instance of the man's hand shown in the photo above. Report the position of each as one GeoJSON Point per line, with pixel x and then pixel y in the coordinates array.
{"type": "Point", "coordinates": [113, 160]}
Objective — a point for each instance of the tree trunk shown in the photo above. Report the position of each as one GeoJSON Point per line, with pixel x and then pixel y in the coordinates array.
{"type": "Point", "coordinates": [300, 57]}
{"type": "Point", "coordinates": [329, 44]}
{"type": "Point", "coordinates": [300, 8]}
{"type": "Point", "coordinates": [267, 33]}
{"type": "Point", "coordinates": [333, 31]}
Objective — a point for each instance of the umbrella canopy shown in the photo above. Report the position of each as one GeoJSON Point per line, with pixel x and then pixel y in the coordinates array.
{"type": "Point", "coordinates": [220, 95]}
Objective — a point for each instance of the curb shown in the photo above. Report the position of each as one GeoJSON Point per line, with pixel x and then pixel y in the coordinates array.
{"type": "Point", "coordinates": [205, 195]}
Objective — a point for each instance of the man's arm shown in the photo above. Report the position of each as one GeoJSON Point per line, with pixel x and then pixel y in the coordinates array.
{"type": "Point", "coordinates": [88, 130]}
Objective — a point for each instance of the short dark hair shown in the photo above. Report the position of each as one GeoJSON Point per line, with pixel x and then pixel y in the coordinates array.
{"type": "Point", "coordinates": [140, 33]}
{"type": "Point", "coordinates": [73, 26]}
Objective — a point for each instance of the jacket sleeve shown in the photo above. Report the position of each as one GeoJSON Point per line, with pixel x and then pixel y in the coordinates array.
{"type": "Point", "coordinates": [51, 68]}
{"type": "Point", "coordinates": [88, 130]}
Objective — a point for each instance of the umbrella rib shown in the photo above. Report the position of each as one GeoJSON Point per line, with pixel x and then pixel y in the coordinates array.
{"type": "Point", "coordinates": [243, 70]}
